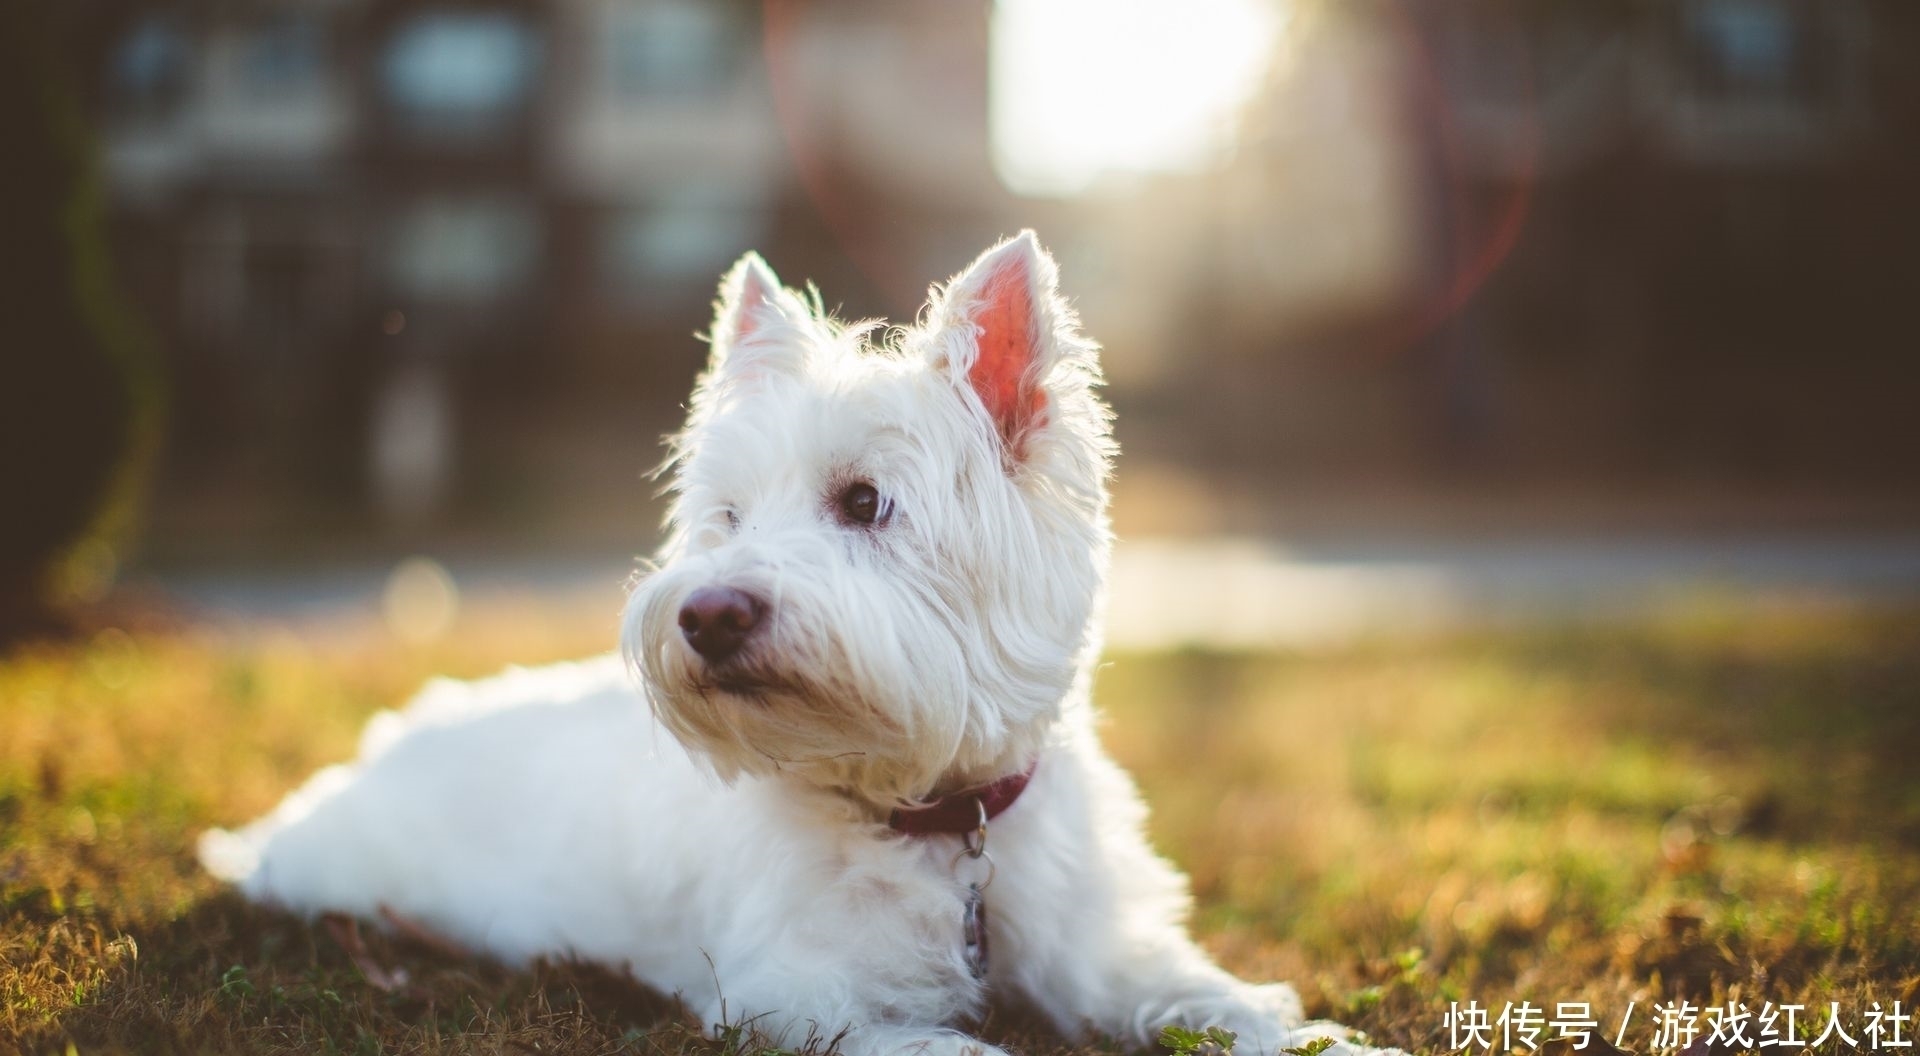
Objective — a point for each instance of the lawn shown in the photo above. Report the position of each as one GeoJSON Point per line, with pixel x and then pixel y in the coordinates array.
{"type": "Point", "coordinates": [1711, 808]}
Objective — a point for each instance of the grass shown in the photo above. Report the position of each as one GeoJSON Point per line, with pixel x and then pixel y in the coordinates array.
{"type": "Point", "coordinates": [1713, 808]}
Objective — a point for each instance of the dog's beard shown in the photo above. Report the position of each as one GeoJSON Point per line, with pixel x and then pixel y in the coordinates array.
{"type": "Point", "coordinates": [748, 680]}
{"type": "Point", "coordinates": [799, 699]}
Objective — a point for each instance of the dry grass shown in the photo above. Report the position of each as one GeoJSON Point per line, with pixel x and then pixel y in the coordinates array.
{"type": "Point", "coordinates": [1711, 808]}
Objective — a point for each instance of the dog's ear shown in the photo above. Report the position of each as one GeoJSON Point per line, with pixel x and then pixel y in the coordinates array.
{"type": "Point", "coordinates": [1000, 325]}
{"type": "Point", "coordinates": [758, 326]}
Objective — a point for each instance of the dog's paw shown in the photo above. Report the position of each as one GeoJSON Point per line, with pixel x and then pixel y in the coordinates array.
{"type": "Point", "coordinates": [1260, 1016]}
{"type": "Point", "coordinates": [911, 1041]}
{"type": "Point", "coordinates": [1266, 1020]}
{"type": "Point", "coordinates": [1344, 1042]}
{"type": "Point", "coordinates": [1275, 1002]}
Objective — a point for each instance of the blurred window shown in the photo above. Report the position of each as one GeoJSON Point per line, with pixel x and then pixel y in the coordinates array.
{"type": "Point", "coordinates": [463, 248]}
{"type": "Point", "coordinates": [671, 49]}
{"type": "Point", "coordinates": [1748, 48]}
{"type": "Point", "coordinates": [148, 71]}
{"type": "Point", "coordinates": [684, 236]}
{"type": "Point", "coordinates": [283, 56]}
{"type": "Point", "coordinates": [456, 71]}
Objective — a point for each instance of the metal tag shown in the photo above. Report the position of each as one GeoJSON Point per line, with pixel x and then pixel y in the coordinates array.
{"type": "Point", "coordinates": [973, 931]}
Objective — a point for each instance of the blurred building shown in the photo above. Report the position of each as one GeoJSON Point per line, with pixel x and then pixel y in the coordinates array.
{"type": "Point", "coordinates": [353, 221]}
{"type": "Point", "coordinates": [396, 248]}
{"type": "Point", "coordinates": [1616, 237]}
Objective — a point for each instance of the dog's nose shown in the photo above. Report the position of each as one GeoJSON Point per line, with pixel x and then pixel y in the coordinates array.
{"type": "Point", "coordinates": [718, 620]}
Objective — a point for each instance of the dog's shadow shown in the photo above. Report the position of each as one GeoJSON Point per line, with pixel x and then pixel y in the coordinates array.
{"type": "Point", "coordinates": [228, 975]}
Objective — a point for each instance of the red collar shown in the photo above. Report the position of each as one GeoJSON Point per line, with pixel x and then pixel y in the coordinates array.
{"type": "Point", "coordinates": [956, 812]}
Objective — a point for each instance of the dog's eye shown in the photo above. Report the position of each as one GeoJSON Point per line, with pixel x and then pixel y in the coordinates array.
{"type": "Point", "coordinates": [860, 504]}
{"type": "Point", "coordinates": [733, 519]}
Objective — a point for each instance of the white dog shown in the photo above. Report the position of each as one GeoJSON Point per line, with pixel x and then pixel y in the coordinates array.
{"type": "Point", "coordinates": [871, 632]}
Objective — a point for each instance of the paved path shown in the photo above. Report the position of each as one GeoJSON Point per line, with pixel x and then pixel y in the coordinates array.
{"type": "Point", "coordinates": [1235, 593]}
{"type": "Point", "coordinates": [1253, 594]}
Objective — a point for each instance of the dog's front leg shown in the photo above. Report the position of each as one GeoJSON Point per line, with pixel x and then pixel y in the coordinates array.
{"type": "Point", "coordinates": [852, 1028]}
{"type": "Point", "coordinates": [1096, 935]}
{"type": "Point", "coordinates": [1130, 969]}
{"type": "Point", "coordinates": [871, 962]}
{"type": "Point", "coordinates": [1138, 972]}
{"type": "Point", "coordinates": [879, 1039]}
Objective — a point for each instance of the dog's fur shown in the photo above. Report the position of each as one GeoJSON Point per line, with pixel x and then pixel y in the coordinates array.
{"type": "Point", "coordinates": [721, 830]}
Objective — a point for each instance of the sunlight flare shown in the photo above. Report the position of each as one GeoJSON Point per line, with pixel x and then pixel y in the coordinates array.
{"type": "Point", "coordinates": [1083, 88]}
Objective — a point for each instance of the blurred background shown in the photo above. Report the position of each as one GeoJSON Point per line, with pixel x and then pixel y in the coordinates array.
{"type": "Point", "coordinates": [1414, 310]}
